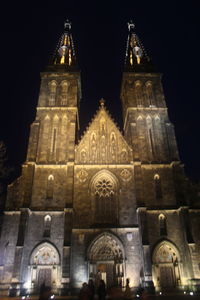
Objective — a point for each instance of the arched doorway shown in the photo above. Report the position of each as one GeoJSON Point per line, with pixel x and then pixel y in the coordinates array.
{"type": "Point", "coordinates": [45, 266]}
{"type": "Point", "coordinates": [106, 260]}
{"type": "Point", "coordinates": [166, 266]}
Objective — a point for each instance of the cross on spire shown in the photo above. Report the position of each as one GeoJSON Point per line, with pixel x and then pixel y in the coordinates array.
{"type": "Point", "coordinates": [67, 24]}
{"type": "Point", "coordinates": [131, 25]}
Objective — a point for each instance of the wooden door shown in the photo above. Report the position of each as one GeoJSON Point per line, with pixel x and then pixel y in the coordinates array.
{"type": "Point", "coordinates": [44, 277]}
{"type": "Point", "coordinates": [167, 276]}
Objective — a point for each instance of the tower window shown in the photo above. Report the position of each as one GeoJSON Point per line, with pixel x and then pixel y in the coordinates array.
{"type": "Point", "coordinates": [52, 94]}
{"type": "Point", "coordinates": [50, 187]}
{"type": "Point", "coordinates": [138, 93]}
{"type": "Point", "coordinates": [64, 90]}
{"type": "Point", "coordinates": [157, 187]}
{"type": "Point", "coordinates": [163, 225]}
{"type": "Point", "coordinates": [149, 93]}
{"type": "Point", "coordinates": [47, 226]}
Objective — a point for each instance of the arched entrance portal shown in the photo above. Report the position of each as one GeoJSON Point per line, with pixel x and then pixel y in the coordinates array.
{"type": "Point", "coordinates": [106, 260]}
{"type": "Point", "coordinates": [166, 266]}
{"type": "Point", "coordinates": [45, 266]}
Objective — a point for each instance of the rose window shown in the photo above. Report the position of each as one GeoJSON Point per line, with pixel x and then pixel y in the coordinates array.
{"type": "Point", "coordinates": [104, 188]}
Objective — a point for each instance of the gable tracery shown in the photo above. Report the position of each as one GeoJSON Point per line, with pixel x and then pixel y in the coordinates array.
{"type": "Point", "coordinates": [103, 143]}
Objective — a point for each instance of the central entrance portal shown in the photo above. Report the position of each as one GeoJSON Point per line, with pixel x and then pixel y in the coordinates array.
{"type": "Point", "coordinates": [106, 272]}
{"type": "Point", "coordinates": [106, 260]}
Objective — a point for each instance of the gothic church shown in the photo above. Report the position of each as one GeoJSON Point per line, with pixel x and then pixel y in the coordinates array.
{"type": "Point", "coordinates": [110, 206]}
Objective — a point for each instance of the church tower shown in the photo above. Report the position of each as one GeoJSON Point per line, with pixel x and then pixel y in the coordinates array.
{"type": "Point", "coordinates": [162, 206]}
{"type": "Point", "coordinates": [37, 218]}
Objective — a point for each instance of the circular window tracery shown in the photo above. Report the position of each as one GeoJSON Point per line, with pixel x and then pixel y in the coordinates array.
{"type": "Point", "coordinates": [104, 188]}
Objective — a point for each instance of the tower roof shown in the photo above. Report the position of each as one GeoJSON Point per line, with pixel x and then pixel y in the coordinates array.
{"type": "Point", "coordinates": [64, 55]}
{"type": "Point", "coordinates": [136, 59]}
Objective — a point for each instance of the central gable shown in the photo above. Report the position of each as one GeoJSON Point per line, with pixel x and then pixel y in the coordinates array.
{"type": "Point", "coordinates": [103, 143]}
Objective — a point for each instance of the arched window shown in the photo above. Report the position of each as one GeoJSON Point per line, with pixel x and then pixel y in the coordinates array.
{"type": "Point", "coordinates": [149, 93]}
{"type": "Point", "coordinates": [157, 187]}
{"type": "Point", "coordinates": [54, 134]}
{"type": "Point", "coordinates": [150, 136]}
{"type": "Point", "coordinates": [50, 187]}
{"type": "Point", "coordinates": [52, 92]}
{"type": "Point", "coordinates": [162, 225]}
{"type": "Point", "coordinates": [64, 90]}
{"type": "Point", "coordinates": [138, 93]}
{"type": "Point", "coordinates": [104, 199]}
{"type": "Point", "coordinates": [47, 226]}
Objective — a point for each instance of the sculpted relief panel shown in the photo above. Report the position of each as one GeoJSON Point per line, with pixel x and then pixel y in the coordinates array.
{"type": "Point", "coordinates": [103, 143]}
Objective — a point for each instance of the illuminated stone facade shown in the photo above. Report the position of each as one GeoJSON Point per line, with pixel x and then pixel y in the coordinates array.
{"type": "Point", "coordinates": [110, 206]}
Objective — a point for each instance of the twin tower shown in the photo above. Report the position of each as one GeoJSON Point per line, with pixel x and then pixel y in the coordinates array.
{"type": "Point", "coordinates": [112, 206]}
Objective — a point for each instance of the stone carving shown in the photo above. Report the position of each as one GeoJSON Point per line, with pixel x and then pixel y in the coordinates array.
{"type": "Point", "coordinates": [129, 236]}
{"type": "Point", "coordinates": [113, 146]}
{"type": "Point", "coordinates": [126, 175]}
{"type": "Point", "coordinates": [104, 188]}
{"type": "Point", "coordinates": [45, 255]}
{"type": "Point", "coordinates": [103, 143]}
{"type": "Point", "coordinates": [106, 248]}
{"type": "Point", "coordinates": [93, 147]}
{"type": "Point", "coordinates": [83, 156]}
{"type": "Point", "coordinates": [82, 175]}
{"type": "Point", "coordinates": [124, 155]}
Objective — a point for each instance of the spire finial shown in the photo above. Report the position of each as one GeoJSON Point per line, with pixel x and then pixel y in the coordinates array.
{"type": "Point", "coordinates": [131, 25]}
{"type": "Point", "coordinates": [102, 102]}
{"type": "Point", "coordinates": [67, 24]}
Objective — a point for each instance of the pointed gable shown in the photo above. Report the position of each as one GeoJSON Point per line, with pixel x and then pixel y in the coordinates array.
{"type": "Point", "coordinates": [102, 142]}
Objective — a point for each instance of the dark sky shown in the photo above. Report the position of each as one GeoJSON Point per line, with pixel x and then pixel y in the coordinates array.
{"type": "Point", "coordinates": [169, 31]}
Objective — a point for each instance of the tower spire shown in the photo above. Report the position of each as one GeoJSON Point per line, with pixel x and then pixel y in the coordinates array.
{"type": "Point", "coordinates": [136, 59]}
{"type": "Point", "coordinates": [65, 54]}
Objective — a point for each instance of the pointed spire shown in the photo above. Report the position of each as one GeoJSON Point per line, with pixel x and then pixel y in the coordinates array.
{"type": "Point", "coordinates": [65, 54]}
{"type": "Point", "coordinates": [136, 58]}
{"type": "Point", "coordinates": [102, 102]}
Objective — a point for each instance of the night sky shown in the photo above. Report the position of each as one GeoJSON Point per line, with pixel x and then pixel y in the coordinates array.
{"type": "Point", "coordinates": [169, 31]}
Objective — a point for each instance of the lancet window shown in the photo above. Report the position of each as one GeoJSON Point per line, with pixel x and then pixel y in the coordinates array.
{"type": "Point", "coordinates": [52, 92]}
{"type": "Point", "coordinates": [149, 93]}
{"type": "Point", "coordinates": [150, 136]}
{"type": "Point", "coordinates": [104, 190]}
{"type": "Point", "coordinates": [157, 187]}
{"type": "Point", "coordinates": [47, 226]}
{"type": "Point", "coordinates": [138, 93]}
{"type": "Point", "coordinates": [50, 187]}
{"type": "Point", "coordinates": [163, 225]}
{"type": "Point", "coordinates": [64, 90]}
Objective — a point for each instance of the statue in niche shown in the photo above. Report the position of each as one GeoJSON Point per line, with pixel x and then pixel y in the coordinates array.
{"type": "Point", "coordinates": [83, 156]}
{"type": "Point", "coordinates": [102, 127]}
{"type": "Point", "coordinates": [103, 148]}
{"type": "Point", "coordinates": [93, 148]}
{"type": "Point", "coordinates": [124, 155]}
{"type": "Point", "coordinates": [113, 146]}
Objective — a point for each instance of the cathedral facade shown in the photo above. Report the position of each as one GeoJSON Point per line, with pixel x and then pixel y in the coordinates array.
{"type": "Point", "coordinates": [111, 206]}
